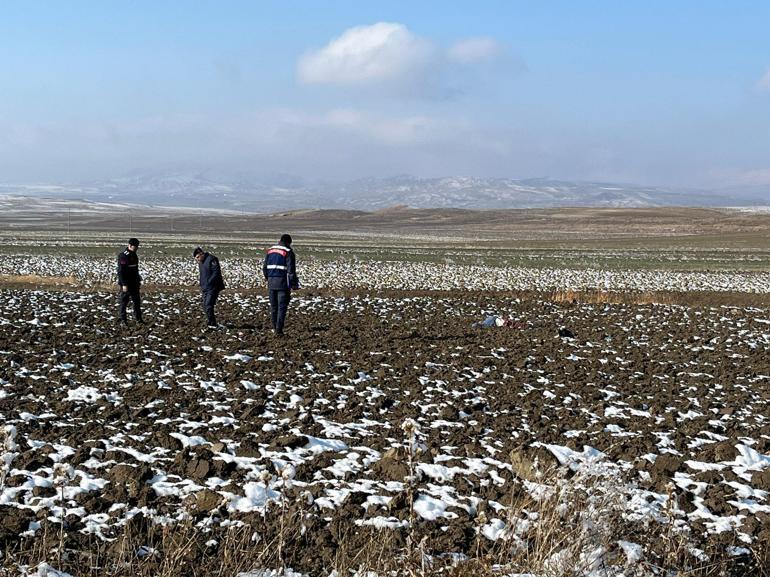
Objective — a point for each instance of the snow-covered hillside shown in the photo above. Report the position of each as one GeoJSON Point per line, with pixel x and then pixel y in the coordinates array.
{"type": "Point", "coordinates": [204, 190]}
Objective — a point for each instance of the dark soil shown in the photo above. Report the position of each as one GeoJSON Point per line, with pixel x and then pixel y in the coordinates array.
{"type": "Point", "coordinates": [654, 387]}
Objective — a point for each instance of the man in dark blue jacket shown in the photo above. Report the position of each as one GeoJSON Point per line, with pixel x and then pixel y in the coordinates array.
{"type": "Point", "coordinates": [280, 270]}
{"type": "Point", "coordinates": [211, 282]}
{"type": "Point", "coordinates": [129, 280]}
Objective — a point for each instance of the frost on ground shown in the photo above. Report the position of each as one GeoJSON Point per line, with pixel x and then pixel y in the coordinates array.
{"type": "Point", "coordinates": [386, 426]}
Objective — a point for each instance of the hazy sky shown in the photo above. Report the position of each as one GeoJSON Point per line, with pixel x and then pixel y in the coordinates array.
{"type": "Point", "coordinates": [652, 92]}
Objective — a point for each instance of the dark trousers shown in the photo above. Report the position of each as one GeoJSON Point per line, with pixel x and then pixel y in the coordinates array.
{"type": "Point", "coordinates": [209, 300]}
{"type": "Point", "coordinates": [279, 304]}
{"type": "Point", "coordinates": [133, 294]}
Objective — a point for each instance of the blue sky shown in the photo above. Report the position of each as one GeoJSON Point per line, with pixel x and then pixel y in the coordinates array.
{"type": "Point", "coordinates": [650, 92]}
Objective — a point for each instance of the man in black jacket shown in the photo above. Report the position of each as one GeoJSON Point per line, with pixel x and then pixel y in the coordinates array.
{"type": "Point", "coordinates": [129, 280]}
{"type": "Point", "coordinates": [280, 270]}
{"type": "Point", "coordinates": [211, 282]}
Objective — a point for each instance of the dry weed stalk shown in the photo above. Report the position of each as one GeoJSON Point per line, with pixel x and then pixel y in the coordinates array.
{"type": "Point", "coordinates": [8, 445]}
{"type": "Point", "coordinates": [62, 475]}
{"type": "Point", "coordinates": [409, 426]}
{"type": "Point", "coordinates": [287, 474]}
{"type": "Point", "coordinates": [675, 549]}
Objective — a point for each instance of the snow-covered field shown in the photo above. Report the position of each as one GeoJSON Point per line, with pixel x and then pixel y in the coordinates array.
{"type": "Point", "coordinates": [334, 274]}
{"type": "Point", "coordinates": [384, 433]}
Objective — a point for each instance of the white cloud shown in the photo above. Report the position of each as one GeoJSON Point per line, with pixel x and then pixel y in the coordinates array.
{"type": "Point", "coordinates": [382, 52]}
{"type": "Point", "coordinates": [389, 58]}
{"type": "Point", "coordinates": [764, 82]}
{"type": "Point", "coordinates": [474, 50]}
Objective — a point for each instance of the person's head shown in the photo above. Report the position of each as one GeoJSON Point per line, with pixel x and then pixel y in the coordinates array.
{"type": "Point", "coordinates": [133, 244]}
{"type": "Point", "coordinates": [198, 254]}
{"type": "Point", "coordinates": [285, 240]}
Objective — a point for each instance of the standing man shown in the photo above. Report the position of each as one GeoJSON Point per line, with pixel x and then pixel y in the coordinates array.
{"type": "Point", "coordinates": [280, 271]}
{"type": "Point", "coordinates": [129, 280]}
{"type": "Point", "coordinates": [211, 283]}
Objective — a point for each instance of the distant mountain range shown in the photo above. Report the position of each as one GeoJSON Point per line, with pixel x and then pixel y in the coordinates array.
{"type": "Point", "coordinates": [202, 190]}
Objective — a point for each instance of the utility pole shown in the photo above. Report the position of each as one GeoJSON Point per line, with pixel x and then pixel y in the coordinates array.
{"type": "Point", "coordinates": [69, 218]}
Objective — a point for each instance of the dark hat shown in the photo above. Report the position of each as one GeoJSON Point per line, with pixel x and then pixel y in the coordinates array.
{"type": "Point", "coordinates": [285, 240]}
{"type": "Point", "coordinates": [133, 241]}
{"type": "Point", "coordinates": [197, 251]}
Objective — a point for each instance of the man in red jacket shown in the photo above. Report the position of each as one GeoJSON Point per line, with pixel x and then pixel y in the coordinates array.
{"type": "Point", "coordinates": [280, 270]}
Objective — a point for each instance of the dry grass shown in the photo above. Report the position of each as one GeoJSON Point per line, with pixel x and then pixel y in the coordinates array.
{"type": "Point", "coordinates": [565, 524]}
{"type": "Point", "coordinates": [39, 281]}
{"type": "Point", "coordinates": [606, 297]}
{"type": "Point", "coordinates": [692, 298]}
